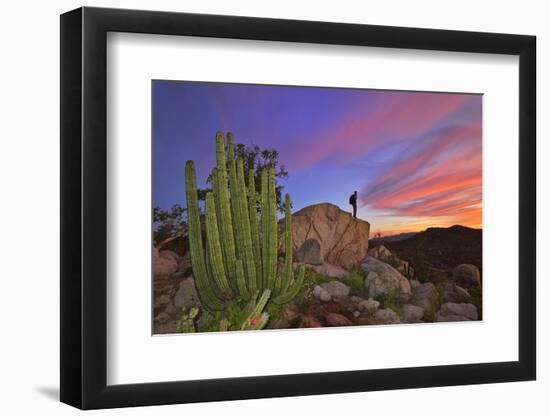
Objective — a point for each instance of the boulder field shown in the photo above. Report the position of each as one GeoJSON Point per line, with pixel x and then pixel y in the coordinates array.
{"type": "Point", "coordinates": [346, 283]}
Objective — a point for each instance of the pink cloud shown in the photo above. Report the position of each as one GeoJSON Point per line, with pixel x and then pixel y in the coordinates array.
{"type": "Point", "coordinates": [389, 117]}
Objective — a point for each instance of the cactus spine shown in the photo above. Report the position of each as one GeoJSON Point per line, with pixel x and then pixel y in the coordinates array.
{"type": "Point", "coordinates": [240, 255]}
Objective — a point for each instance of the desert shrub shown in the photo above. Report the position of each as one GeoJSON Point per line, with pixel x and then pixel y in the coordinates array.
{"type": "Point", "coordinates": [311, 279]}
{"type": "Point", "coordinates": [393, 261]}
{"type": "Point", "coordinates": [356, 283]}
{"type": "Point", "coordinates": [390, 299]}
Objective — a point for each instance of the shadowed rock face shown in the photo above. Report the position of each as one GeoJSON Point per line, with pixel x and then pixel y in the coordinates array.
{"type": "Point", "coordinates": [343, 240]}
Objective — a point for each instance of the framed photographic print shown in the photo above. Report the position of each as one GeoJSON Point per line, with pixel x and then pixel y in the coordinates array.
{"type": "Point", "coordinates": [258, 208]}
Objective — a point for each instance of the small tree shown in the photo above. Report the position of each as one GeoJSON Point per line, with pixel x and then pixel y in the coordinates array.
{"type": "Point", "coordinates": [168, 225]}
{"type": "Point", "coordinates": [254, 157]}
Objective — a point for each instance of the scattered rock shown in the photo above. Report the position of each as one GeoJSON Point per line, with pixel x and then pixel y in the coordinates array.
{"type": "Point", "coordinates": [310, 252]}
{"type": "Point", "coordinates": [335, 319]}
{"type": "Point", "coordinates": [456, 312]}
{"type": "Point", "coordinates": [308, 321]}
{"type": "Point", "coordinates": [343, 240]}
{"type": "Point", "coordinates": [336, 289]}
{"type": "Point", "coordinates": [467, 275]}
{"type": "Point", "coordinates": [288, 316]}
{"type": "Point", "coordinates": [380, 252]}
{"type": "Point", "coordinates": [325, 296]}
{"type": "Point", "coordinates": [184, 265]}
{"type": "Point", "coordinates": [411, 314]}
{"type": "Point", "coordinates": [414, 283]}
{"type": "Point", "coordinates": [162, 318]}
{"type": "Point", "coordinates": [383, 278]}
{"type": "Point", "coordinates": [163, 300]}
{"type": "Point", "coordinates": [452, 317]}
{"type": "Point", "coordinates": [321, 294]}
{"type": "Point", "coordinates": [426, 296]}
{"type": "Point", "coordinates": [452, 293]}
{"type": "Point", "coordinates": [171, 309]}
{"type": "Point", "coordinates": [186, 296]}
{"type": "Point", "coordinates": [368, 306]}
{"type": "Point", "coordinates": [169, 254]}
{"type": "Point", "coordinates": [330, 270]}
{"type": "Point", "coordinates": [405, 268]}
{"type": "Point", "coordinates": [163, 266]}
{"type": "Point", "coordinates": [356, 313]}
{"type": "Point", "coordinates": [386, 316]}
{"type": "Point", "coordinates": [317, 291]}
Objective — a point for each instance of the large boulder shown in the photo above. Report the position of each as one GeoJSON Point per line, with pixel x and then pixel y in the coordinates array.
{"type": "Point", "coordinates": [380, 252]}
{"type": "Point", "coordinates": [384, 279]}
{"type": "Point", "coordinates": [310, 252]}
{"type": "Point", "coordinates": [336, 289]}
{"type": "Point", "coordinates": [452, 293]}
{"type": "Point", "coordinates": [467, 275]}
{"type": "Point", "coordinates": [426, 296]}
{"type": "Point", "coordinates": [343, 240]}
{"type": "Point", "coordinates": [386, 316]}
{"type": "Point", "coordinates": [368, 306]}
{"type": "Point", "coordinates": [321, 294]}
{"type": "Point", "coordinates": [329, 290]}
{"type": "Point", "coordinates": [457, 312]}
{"type": "Point", "coordinates": [163, 265]}
{"type": "Point", "coordinates": [330, 270]}
{"type": "Point", "coordinates": [169, 254]}
{"type": "Point", "coordinates": [411, 314]}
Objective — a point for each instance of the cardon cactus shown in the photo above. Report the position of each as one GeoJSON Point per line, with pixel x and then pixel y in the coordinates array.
{"type": "Point", "coordinates": [239, 256]}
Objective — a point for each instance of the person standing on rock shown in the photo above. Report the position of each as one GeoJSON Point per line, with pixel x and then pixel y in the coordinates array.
{"type": "Point", "coordinates": [353, 202]}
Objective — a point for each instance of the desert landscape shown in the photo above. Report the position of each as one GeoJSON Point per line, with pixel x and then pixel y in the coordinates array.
{"type": "Point", "coordinates": [228, 260]}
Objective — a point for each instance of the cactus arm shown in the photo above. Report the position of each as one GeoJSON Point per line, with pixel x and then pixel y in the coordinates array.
{"type": "Point", "coordinates": [202, 282]}
{"type": "Point", "coordinates": [256, 323]}
{"type": "Point", "coordinates": [258, 320]}
{"type": "Point", "coordinates": [241, 281]}
{"type": "Point", "coordinates": [261, 303]}
{"type": "Point", "coordinates": [285, 282]}
{"type": "Point", "coordinates": [248, 255]}
{"type": "Point", "coordinates": [213, 287]}
{"type": "Point", "coordinates": [225, 221]}
{"type": "Point", "coordinates": [272, 229]}
{"type": "Point", "coordinates": [214, 248]}
{"type": "Point", "coordinates": [265, 230]}
{"type": "Point", "coordinates": [254, 229]}
{"type": "Point", "coordinates": [293, 290]}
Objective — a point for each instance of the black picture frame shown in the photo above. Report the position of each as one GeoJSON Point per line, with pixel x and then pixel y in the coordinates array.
{"type": "Point", "coordinates": [84, 207]}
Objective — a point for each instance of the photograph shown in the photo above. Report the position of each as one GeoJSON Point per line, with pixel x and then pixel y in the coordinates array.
{"type": "Point", "coordinates": [284, 207]}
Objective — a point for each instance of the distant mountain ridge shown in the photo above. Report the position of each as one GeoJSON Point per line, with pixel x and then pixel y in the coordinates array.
{"type": "Point", "coordinates": [440, 248]}
{"type": "Point", "coordinates": [392, 238]}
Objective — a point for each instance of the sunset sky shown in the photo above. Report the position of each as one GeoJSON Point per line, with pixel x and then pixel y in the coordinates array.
{"type": "Point", "coordinates": [414, 158]}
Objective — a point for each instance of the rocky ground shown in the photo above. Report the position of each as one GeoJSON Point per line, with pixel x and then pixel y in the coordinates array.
{"type": "Point", "coordinates": [346, 284]}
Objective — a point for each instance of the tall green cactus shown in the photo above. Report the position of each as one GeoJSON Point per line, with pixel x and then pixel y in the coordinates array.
{"type": "Point", "coordinates": [203, 280]}
{"type": "Point", "coordinates": [286, 290]}
{"type": "Point", "coordinates": [254, 228]}
{"type": "Point", "coordinates": [240, 254]}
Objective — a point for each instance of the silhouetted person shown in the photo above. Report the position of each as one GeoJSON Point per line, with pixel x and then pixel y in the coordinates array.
{"type": "Point", "coordinates": [353, 202]}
